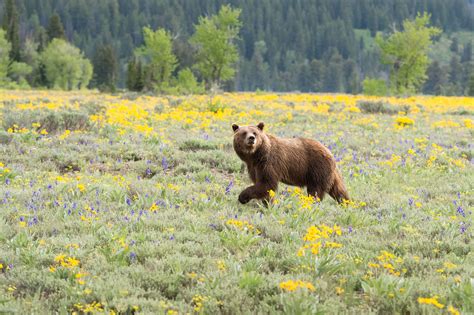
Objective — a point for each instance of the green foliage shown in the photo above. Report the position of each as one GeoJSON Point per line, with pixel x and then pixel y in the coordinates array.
{"type": "Point", "coordinates": [18, 72]}
{"type": "Point", "coordinates": [214, 39]}
{"type": "Point", "coordinates": [159, 58]}
{"type": "Point", "coordinates": [376, 87]}
{"type": "Point", "coordinates": [406, 52]}
{"type": "Point", "coordinates": [186, 83]}
{"type": "Point", "coordinates": [65, 66]}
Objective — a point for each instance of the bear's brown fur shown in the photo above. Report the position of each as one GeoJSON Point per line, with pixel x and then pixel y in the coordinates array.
{"type": "Point", "coordinates": [297, 161]}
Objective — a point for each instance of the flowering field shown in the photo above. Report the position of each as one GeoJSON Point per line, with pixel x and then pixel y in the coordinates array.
{"type": "Point", "coordinates": [128, 204]}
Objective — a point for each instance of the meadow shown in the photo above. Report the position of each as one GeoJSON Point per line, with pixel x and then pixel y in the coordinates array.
{"type": "Point", "coordinates": [127, 204]}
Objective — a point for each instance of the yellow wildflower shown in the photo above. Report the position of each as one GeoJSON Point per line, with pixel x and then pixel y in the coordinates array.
{"type": "Point", "coordinates": [430, 301]}
{"type": "Point", "coordinates": [452, 310]}
{"type": "Point", "coordinates": [292, 285]}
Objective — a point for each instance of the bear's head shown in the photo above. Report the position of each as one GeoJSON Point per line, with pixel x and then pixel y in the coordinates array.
{"type": "Point", "coordinates": [248, 139]}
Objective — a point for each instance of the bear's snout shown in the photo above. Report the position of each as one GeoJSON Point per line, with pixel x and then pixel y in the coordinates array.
{"type": "Point", "coordinates": [251, 139]}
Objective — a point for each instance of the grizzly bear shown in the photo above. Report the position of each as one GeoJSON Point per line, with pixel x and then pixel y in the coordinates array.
{"type": "Point", "coordinates": [297, 162]}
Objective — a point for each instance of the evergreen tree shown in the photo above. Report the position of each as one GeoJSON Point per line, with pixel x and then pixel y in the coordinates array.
{"type": "Point", "coordinates": [105, 68]}
{"type": "Point", "coordinates": [454, 47]}
{"type": "Point", "coordinates": [436, 79]}
{"type": "Point", "coordinates": [135, 76]}
{"type": "Point", "coordinates": [259, 67]}
{"type": "Point", "coordinates": [5, 48]}
{"type": "Point", "coordinates": [55, 28]}
{"type": "Point", "coordinates": [455, 72]}
{"type": "Point", "coordinates": [467, 53]}
{"type": "Point", "coordinates": [470, 91]}
{"type": "Point", "coordinates": [132, 74]}
{"type": "Point", "coordinates": [140, 77]}
{"type": "Point", "coordinates": [333, 79]}
{"type": "Point", "coordinates": [11, 26]}
{"type": "Point", "coordinates": [318, 71]}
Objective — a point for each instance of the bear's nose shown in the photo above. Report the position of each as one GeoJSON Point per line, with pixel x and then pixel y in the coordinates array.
{"type": "Point", "coordinates": [252, 138]}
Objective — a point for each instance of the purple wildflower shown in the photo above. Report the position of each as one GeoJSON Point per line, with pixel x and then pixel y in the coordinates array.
{"type": "Point", "coordinates": [148, 171]}
{"type": "Point", "coordinates": [461, 211]}
{"type": "Point", "coordinates": [229, 187]}
{"type": "Point", "coordinates": [164, 164]}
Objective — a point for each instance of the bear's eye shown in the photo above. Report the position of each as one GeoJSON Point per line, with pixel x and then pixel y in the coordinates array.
{"type": "Point", "coordinates": [254, 133]}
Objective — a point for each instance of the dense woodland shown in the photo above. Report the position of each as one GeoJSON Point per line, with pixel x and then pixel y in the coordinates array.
{"type": "Point", "coordinates": [284, 45]}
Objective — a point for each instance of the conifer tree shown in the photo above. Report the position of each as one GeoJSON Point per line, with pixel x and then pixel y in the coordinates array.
{"type": "Point", "coordinates": [55, 28]}
{"type": "Point", "coordinates": [11, 27]}
{"type": "Point", "coordinates": [105, 68]}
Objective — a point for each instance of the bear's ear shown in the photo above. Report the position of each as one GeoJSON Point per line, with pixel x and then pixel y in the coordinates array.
{"type": "Point", "coordinates": [260, 125]}
{"type": "Point", "coordinates": [235, 127]}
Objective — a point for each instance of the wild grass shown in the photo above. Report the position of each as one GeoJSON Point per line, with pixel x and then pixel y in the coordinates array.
{"type": "Point", "coordinates": [134, 210]}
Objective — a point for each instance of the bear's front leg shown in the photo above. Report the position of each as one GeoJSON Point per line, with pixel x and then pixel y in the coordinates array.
{"type": "Point", "coordinates": [246, 195]}
{"type": "Point", "coordinates": [256, 192]}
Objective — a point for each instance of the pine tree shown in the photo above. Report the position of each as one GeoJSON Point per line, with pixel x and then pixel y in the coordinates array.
{"type": "Point", "coordinates": [55, 28]}
{"type": "Point", "coordinates": [132, 75]}
{"type": "Point", "coordinates": [470, 90]}
{"type": "Point", "coordinates": [454, 47]}
{"type": "Point", "coordinates": [135, 80]}
{"type": "Point", "coordinates": [105, 68]}
{"type": "Point", "coordinates": [455, 73]}
{"type": "Point", "coordinates": [11, 27]}
{"type": "Point", "coordinates": [436, 79]}
{"type": "Point", "coordinates": [467, 53]}
{"type": "Point", "coordinates": [140, 78]}
{"type": "Point", "coordinates": [4, 57]}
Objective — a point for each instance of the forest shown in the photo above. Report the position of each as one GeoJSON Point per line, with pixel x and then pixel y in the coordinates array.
{"type": "Point", "coordinates": [301, 45]}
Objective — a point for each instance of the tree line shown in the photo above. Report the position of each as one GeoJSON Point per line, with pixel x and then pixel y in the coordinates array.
{"type": "Point", "coordinates": [310, 46]}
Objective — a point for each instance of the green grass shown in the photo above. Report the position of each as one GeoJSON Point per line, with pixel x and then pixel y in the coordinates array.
{"type": "Point", "coordinates": [148, 222]}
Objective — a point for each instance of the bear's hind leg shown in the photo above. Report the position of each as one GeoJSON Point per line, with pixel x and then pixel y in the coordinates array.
{"type": "Point", "coordinates": [338, 191]}
{"type": "Point", "coordinates": [316, 192]}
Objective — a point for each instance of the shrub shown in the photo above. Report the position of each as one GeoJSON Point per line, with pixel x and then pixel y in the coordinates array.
{"type": "Point", "coordinates": [376, 87]}
{"type": "Point", "coordinates": [51, 121]}
{"type": "Point", "coordinates": [379, 107]}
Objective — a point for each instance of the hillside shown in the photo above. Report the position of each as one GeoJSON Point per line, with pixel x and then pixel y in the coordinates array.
{"type": "Point", "coordinates": [285, 45]}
